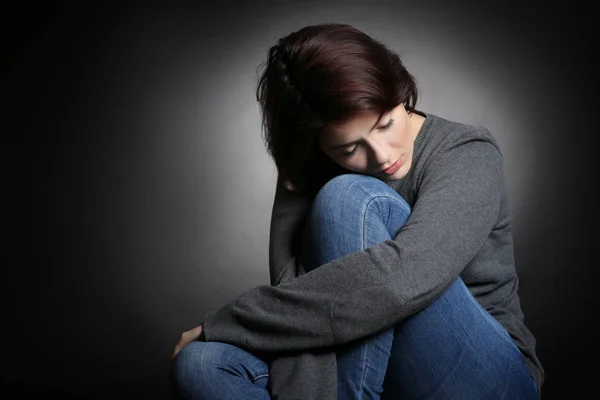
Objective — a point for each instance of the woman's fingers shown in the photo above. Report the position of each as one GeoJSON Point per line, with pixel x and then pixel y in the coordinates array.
{"type": "Point", "coordinates": [186, 338]}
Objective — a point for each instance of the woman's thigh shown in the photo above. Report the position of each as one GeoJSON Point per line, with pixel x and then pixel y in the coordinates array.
{"type": "Point", "coordinates": [454, 349]}
{"type": "Point", "coordinates": [214, 370]}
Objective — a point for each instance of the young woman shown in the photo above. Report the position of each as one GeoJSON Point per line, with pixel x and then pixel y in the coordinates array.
{"type": "Point", "coordinates": [391, 254]}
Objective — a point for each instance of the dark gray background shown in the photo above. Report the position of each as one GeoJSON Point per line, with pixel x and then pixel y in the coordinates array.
{"type": "Point", "coordinates": [137, 191]}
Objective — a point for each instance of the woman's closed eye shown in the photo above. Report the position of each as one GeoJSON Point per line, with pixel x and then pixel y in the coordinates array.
{"type": "Point", "coordinates": [383, 128]}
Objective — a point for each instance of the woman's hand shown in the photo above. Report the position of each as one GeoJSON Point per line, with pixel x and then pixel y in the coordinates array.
{"type": "Point", "coordinates": [186, 338]}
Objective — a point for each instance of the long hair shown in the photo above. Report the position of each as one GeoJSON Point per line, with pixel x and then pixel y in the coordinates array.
{"type": "Point", "coordinates": [320, 75]}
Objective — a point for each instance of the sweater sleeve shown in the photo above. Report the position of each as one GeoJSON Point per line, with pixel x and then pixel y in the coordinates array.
{"type": "Point", "coordinates": [368, 291]}
{"type": "Point", "coordinates": [313, 374]}
{"type": "Point", "coordinates": [288, 212]}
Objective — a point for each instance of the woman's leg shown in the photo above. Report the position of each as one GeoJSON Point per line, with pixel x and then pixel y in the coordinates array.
{"type": "Point", "coordinates": [453, 349]}
{"type": "Point", "coordinates": [214, 370]}
{"type": "Point", "coordinates": [351, 213]}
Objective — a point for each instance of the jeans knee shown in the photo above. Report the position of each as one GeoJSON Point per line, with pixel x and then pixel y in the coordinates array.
{"type": "Point", "coordinates": [354, 188]}
{"type": "Point", "coordinates": [191, 366]}
{"type": "Point", "coordinates": [341, 184]}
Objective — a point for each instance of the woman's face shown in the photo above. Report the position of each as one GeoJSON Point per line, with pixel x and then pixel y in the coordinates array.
{"type": "Point", "coordinates": [368, 146]}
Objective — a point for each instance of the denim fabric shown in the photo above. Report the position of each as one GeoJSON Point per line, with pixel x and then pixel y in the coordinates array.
{"type": "Point", "coordinates": [452, 349]}
{"type": "Point", "coordinates": [214, 370]}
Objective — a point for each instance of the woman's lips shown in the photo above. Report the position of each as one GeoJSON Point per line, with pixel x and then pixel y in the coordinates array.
{"type": "Point", "coordinates": [395, 167]}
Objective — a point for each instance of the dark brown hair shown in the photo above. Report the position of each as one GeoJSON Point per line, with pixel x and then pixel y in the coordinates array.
{"type": "Point", "coordinates": [319, 75]}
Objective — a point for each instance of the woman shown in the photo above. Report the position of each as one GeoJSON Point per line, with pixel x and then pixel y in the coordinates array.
{"type": "Point", "coordinates": [391, 257]}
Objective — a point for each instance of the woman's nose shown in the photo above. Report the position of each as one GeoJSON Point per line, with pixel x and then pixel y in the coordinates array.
{"type": "Point", "coordinates": [379, 151]}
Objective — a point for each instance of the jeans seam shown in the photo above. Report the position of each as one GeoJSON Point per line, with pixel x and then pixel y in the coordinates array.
{"type": "Point", "coordinates": [363, 236]}
{"type": "Point", "coordinates": [498, 327]}
{"type": "Point", "coordinates": [364, 373]}
{"type": "Point", "coordinates": [503, 332]}
{"type": "Point", "coordinates": [259, 376]}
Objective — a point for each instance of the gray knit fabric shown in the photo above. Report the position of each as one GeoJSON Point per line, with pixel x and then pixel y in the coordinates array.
{"type": "Point", "coordinates": [460, 225]}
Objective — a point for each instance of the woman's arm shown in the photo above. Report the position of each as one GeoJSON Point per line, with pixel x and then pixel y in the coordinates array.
{"type": "Point", "coordinates": [288, 212]}
{"type": "Point", "coordinates": [289, 373]}
{"type": "Point", "coordinates": [371, 290]}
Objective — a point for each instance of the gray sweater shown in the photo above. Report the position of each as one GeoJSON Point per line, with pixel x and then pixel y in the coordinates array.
{"type": "Point", "coordinates": [460, 225]}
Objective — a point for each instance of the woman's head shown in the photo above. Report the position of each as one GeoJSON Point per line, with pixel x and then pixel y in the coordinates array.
{"type": "Point", "coordinates": [326, 85]}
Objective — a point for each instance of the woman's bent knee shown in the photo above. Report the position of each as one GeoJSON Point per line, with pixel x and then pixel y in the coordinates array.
{"type": "Point", "coordinates": [200, 369]}
{"type": "Point", "coordinates": [342, 184]}
{"type": "Point", "coordinates": [352, 188]}
{"type": "Point", "coordinates": [351, 213]}
{"type": "Point", "coordinates": [195, 364]}
{"type": "Point", "coordinates": [190, 361]}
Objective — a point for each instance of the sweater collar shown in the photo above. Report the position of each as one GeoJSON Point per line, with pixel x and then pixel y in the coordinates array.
{"type": "Point", "coordinates": [423, 131]}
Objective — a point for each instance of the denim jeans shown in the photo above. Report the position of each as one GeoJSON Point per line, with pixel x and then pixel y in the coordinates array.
{"type": "Point", "coordinates": [452, 349]}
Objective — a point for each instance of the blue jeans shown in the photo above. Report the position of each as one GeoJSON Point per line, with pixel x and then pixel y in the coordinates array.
{"type": "Point", "coordinates": [452, 349]}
